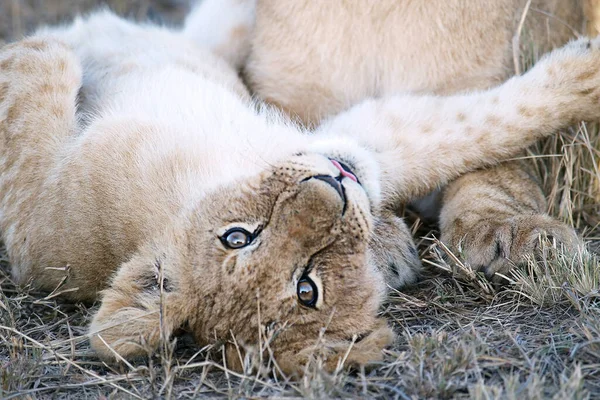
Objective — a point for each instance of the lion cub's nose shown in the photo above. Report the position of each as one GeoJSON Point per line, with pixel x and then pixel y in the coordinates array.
{"type": "Point", "coordinates": [334, 183]}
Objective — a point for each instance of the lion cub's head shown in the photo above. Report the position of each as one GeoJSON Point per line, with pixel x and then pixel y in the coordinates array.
{"type": "Point", "coordinates": [276, 264]}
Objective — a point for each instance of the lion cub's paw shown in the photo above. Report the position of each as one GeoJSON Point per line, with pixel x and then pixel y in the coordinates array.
{"type": "Point", "coordinates": [496, 246]}
{"type": "Point", "coordinates": [393, 251]}
{"type": "Point", "coordinates": [39, 64]}
{"type": "Point", "coordinates": [573, 73]}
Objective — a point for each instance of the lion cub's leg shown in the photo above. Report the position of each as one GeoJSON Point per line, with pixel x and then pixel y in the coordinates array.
{"type": "Point", "coordinates": [39, 81]}
{"type": "Point", "coordinates": [422, 142]}
{"type": "Point", "coordinates": [494, 218]}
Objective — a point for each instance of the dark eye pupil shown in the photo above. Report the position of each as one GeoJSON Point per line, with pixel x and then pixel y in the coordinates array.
{"type": "Point", "coordinates": [307, 292]}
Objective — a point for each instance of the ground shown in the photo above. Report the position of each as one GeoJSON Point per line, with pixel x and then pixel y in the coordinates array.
{"type": "Point", "coordinates": [459, 337]}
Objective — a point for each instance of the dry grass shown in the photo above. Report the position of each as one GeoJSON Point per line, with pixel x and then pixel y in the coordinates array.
{"type": "Point", "coordinates": [459, 336]}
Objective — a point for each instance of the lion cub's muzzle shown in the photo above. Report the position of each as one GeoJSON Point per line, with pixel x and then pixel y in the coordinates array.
{"type": "Point", "coordinates": [334, 183]}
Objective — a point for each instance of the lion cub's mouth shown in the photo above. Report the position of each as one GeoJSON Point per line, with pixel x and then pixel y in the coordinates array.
{"type": "Point", "coordinates": [345, 171]}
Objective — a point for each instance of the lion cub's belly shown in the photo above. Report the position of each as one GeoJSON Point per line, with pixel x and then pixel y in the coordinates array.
{"type": "Point", "coordinates": [318, 58]}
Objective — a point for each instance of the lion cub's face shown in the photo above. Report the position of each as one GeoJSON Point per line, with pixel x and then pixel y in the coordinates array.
{"type": "Point", "coordinates": [285, 255]}
{"type": "Point", "coordinates": [275, 263]}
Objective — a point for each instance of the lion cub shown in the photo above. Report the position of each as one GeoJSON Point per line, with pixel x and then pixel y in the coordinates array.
{"type": "Point", "coordinates": [143, 175]}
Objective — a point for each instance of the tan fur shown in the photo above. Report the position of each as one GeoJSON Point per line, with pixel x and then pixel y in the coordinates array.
{"type": "Point", "coordinates": [592, 13]}
{"type": "Point", "coordinates": [70, 219]}
{"type": "Point", "coordinates": [316, 59]}
{"type": "Point", "coordinates": [129, 188]}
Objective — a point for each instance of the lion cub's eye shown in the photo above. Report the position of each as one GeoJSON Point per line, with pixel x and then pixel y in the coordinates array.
{"type": "Point", "coordinates": [236, 238]}
{"type": "Point", "coordinates": [308, 294]}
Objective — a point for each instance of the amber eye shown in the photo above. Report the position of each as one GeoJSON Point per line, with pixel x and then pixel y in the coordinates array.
{"type": "Point", "coordinates": [236, 238]}
{"type": "Point", "coordinates": [307, 292]}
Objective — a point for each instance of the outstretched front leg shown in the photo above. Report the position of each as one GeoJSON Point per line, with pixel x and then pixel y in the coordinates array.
{"type": "Point", "coordinates": [422, 142]}
{"type": "Point", "coordinates": [39, 81]}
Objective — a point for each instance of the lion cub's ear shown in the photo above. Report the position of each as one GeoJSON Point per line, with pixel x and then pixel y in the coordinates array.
{"type": "Point", "coordinates": [142, 306]}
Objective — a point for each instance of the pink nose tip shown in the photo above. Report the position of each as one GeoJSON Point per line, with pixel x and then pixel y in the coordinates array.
{"type": "Point", "coordinates": [343, 172]}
